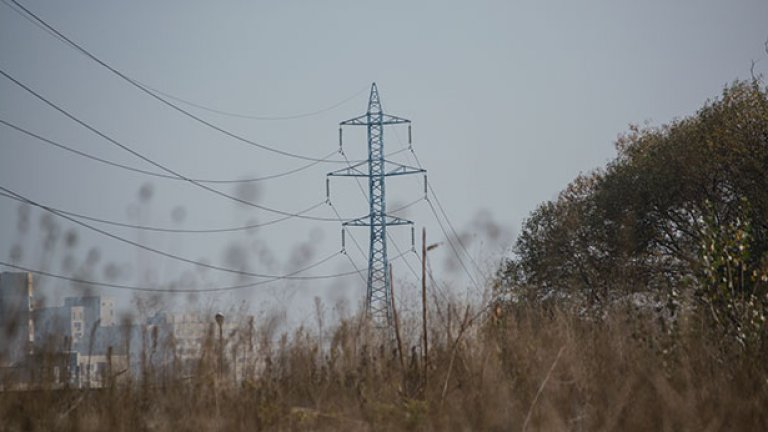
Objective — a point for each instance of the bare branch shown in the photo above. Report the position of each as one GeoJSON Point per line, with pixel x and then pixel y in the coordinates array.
{"type": "Point", "coordinates": [752, 70]}
{"type": "Point", "coordinates": [765, 45]}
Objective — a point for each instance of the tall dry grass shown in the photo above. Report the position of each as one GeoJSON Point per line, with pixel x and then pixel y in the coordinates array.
{"type": "Point", "coordinates": [527, 369]}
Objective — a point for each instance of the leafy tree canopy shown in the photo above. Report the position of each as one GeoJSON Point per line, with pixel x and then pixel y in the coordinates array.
{"type": "Point", "coordinates": [682, 208]}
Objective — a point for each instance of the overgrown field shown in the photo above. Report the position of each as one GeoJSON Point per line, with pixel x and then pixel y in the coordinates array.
{"type": "Point", "coordinates": [516, 368]}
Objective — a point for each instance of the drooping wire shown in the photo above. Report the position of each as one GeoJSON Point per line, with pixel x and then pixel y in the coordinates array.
{"type": "Point", "coordinates": [400, 251]}
{"type": "Point", "coordinates": [453, 248]}
{"type": "Point", "coordinates": [362, 190]}
{"type": "Point", "coordinates": [354, 265]}
{"type": "Point", "coordinates": [343, 230]}
{"type": "Point", "coordinates": [438, 287]}
{"type": "Point", "coordinates": [406, 206]}
{"type": "Point", "coordinates": [354, 240]}
{"type": "Point", "coordinates": [437, 218]}
{"type": "Point", "coordinates": [156, 174]}
{"type": "Point", "coordinates": [158, 251]}
{"type": "Point", "coordinates": [159, 98]}
{"type": "Point", "coordinates": [186, 290]}
{"type": "Point", "coordinates": [255, 117]}
{"type": "Point", "coordinates": [450, 225]}
{"type": "Point", "coordinates": [177, 230]}
{"type": "Point", "coordinates": [168, 176]}
{"type": "Point", "coordinates": [389, 235]}
{"type": "Point", "coordinates": [174, 290]}
{"type": "Point", "coordinates": [195, 104]}
{"type": "Point", "coordinates": [453, 230]}
{"type": "Point", "coordinates": [300, 214]}
{"type": "Point", "coordinates": [165, 229]}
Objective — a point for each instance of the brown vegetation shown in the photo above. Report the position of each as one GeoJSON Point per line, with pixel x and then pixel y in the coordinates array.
{"type": "Point", "coordinates": [527, 368]}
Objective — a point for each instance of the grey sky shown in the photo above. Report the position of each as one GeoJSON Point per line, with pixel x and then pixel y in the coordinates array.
{"type": "Point", "coordinates": [510, 100]}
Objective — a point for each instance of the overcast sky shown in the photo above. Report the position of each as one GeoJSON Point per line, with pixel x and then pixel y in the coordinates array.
{"type": "Point", "coordinates": [509, 100]}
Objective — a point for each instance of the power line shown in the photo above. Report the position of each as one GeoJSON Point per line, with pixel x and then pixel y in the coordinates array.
{"type": "Point", "coordinates": [30, 20]}
{"type": "Point", "coordinates": [442, 228]}
{"type": "Point", "coordinates": [453, 230]}
{"type": "Point", "coordinates": [196, 104]}
{"type": "Point", "coordinates": [179, 230]}
{"type": "Point", "coordinates": [437, 287]}
{"type": "Point", "coordinates": [255, 117]}
{"type": "Point", "coordinates": [406, 206]}
{"type": "Point", "coordinates": [164, 229]}
{"type": "Point", "coordinates": [379, 294]}
{"type": "Point", "coordinates": [300, 214]}
{"type": "Point", "coordinates": [389, 235]}
{"type": "Point", "coordinates": [351, 261]}
{"type": "Point", "coordinates": [156, 174]}
{"type": "Point", "coordinates": [180, 290]}
{"type": "Point", "coordinates": [168, 176]}
{"type": "Point", "coordinates": [450, 225]}
{"type": "Point", "coordinates": [163, 100]}
{"type": "Point", "coordinates": [343, 230]}
{"type": "Point", "coordinates": [397, 248]}
{"type": "Point", "coordinates": [157, 251]}
{"type": "Point", "coordinates": [149, 91]}
{"type": "Point", "coordinates": [453, 248]}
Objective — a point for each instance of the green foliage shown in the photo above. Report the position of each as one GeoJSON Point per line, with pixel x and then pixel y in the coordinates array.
{"type": "Point", "coordinates": [733, 285]}
{"type": "Point", "coordinates": [638, 225]}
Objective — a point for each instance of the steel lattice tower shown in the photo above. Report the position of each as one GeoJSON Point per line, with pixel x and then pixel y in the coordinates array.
{"type": "Point", "coordinates": [378, 294]}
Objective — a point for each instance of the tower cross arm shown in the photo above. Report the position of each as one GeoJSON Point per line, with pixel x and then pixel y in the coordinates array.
{"type": "Point", "coordinates": [357, 121]}
{"type": "Point", "coordinates": [351, 171]}
{"type": "Point", "coordinates": [374, 119]}
{"type": "Point", "coordinates": [400, 169]}
{"type": "Point", "coordinates": [392, 169]}
{"type": "Point", "coordinates": [390, 119]}
{"type": "Point", "coordinates": [387, 220]}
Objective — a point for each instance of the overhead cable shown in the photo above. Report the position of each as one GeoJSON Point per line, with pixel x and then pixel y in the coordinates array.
{"type": "Point", "coordinates": [158, 251]}
{"type": "Point", "coordinates": [251, 116]}
{"type": "Point", "coordinates": [445, 232]}
{"type": "Point", "coordinates": [168, 176]}
{"type": "Point", "coordinates": [183, 230]}
{"type": "Point", "coordinates": [299, 214]}
{"type": "Point", "coordinates": [447, 219]}
{"type": "Point", "coordinates": [166, 229]}
{"type": "Point", "coordinates": [175, 290]}
{"type": "Point", "coordinates": [156, 174]}
{"type": "Point", "coordinates": [453, 248]}
{"type": "Point", "coordinates": [197, 104]}
{"type": "Point", "coordinates": [179, 290]}
{"type": "Point", "coordinates": [161, 99]}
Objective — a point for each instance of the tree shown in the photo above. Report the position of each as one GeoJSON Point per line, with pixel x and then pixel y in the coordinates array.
{"type": "Point", "coordinates": [649, 220]}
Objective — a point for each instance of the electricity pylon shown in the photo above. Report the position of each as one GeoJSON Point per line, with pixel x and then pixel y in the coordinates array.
{"type": "Point", "coordinates": [378, 296]}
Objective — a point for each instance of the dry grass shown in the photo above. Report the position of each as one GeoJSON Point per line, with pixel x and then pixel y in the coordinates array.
{"type": "Point", "coordinates": [529, 370]}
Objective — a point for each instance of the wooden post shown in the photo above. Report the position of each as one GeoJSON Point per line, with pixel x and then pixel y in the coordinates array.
{"type": "Point", "coordinates": [394, 317]}
{"type": "Point", "coordinates": [424, 300]}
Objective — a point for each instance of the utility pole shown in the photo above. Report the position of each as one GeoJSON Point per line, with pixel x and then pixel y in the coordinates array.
{"type": "Point", "coordinates": [424, 301]}
{"type": "Point", "coordinates": [397, 322]}
{"type": "Point", "coordinates": [424, 250]}
{"type": "Point", "coordinates": [378, 299]}
{"type": "Point", "coordinates": [220, 321]}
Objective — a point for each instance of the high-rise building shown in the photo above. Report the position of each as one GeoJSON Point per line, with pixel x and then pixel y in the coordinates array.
{"type": "Point", "coordinates": [79, 323]}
